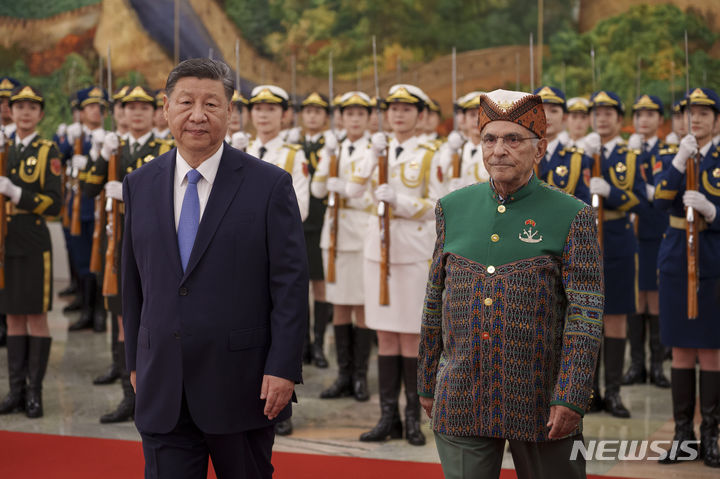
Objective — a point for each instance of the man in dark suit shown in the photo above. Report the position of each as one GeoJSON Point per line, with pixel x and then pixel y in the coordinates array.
{"type": "Point", "coordinates": [215, 288]}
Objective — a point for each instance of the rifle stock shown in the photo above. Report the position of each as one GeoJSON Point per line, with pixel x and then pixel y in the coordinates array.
{"type": "Point", "coordinates": [96, 255]}
{"type": "Point", "coordinates": [333, 209]}
{"type": "Point", "coordinates": [75, 225]}
{"type": "Point", "coordinates": [597, 201]}
{"type": "Point", "coordinates": [693, 230]}
{"type": "Point", "coordinates": [384, 218]}
{"type": "Point", "coordinates": [456, 164]}
{"type": "Point", "coordinates": [3, 219]}
{"type": "Point", "coordinates": [110, 278]}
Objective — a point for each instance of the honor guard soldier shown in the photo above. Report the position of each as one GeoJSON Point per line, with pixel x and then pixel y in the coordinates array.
{"type": "Point", "coordinates": [118, 112]}
{"type": "Point", "coordinates": [564, 166]}
{"type": "Point", "coordinates": [693, 340]}
{"type": "Point", "coordinates": [238, 118]}
{"type": "Point", "coordinates": [343, 234]}
{"type": "Point", "coordinates": [269, 104]}
{"type": "Point", "coordinates": [31, 186]}
{"type": "Point", "coordinates": [373, 125]}
{"type": "Point", "coordinates": [623, 191]}
{"type": "Point", "coordinates": [139, 148]}
{"type": "Point", "coordinates": [472, 167]}
{"type": "Point", "coordinates": [651, 225]}
{"type": "Point", "coordinates": [679, 123]}
{"type": "Point", "coordinates": [7, 125]}
{"type": "Point", "coordinates": [410, 193]}
{"type": "Point", "coordinates": [93, 102]}
{"type": "Point", "coordinates": [432, 122]}
{"type": "Point", "coordinates": [314, 112]}
{"type": "Point", "coordinates": [160, 124]}
{"type": "Point", "coordinates": [578, 120]}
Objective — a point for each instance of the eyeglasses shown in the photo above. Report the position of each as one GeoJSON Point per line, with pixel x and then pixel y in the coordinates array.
{"type": "Point", "coordinates": [511, 139]}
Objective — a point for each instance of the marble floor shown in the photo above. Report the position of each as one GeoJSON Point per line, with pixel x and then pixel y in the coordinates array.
{"type": "Point", "coordinates": [73, 406]}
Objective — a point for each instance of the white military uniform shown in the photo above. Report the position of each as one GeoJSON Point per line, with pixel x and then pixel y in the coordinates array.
{"type": "Point", "coordinates": [472, 166]}
{"type": "Point", "coordinates": [353, 218]}
{"type": "Point", "coordinates": [291, 158]}
{"type": "Point", "coordinates": [413, 176]}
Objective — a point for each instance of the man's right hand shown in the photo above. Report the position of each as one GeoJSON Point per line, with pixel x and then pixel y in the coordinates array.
{"type": "Point", "coordinates": [427, 405]}
{"type": "Point", "coordinates": [132, 380]}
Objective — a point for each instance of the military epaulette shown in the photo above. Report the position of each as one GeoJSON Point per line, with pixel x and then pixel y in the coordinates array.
{"type": "Point", "coordinates": [292, 146]}
{"type": "Point", "coordinates": [716, 153]}
{"type": "Point", "coordinates": [670, 150]}
{"type": "Point", "coordinates": [41, 141]}
{"type": "Point", "coordinates": [575, 149]}
{"type": "Point", "coordinates": [428, 146]}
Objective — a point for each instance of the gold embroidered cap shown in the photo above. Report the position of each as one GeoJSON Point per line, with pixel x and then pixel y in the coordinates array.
{"type": "Point", "coordinates": [238, 98]}
{"type": "Point", "coordinates": [27, 93]}
{"type": "Point", "coordinates": [607, 98]}
{"type": "Point", "coordinates": [160, 98]}
{"type": "Point", "coordinates": [315, 99]}
{"type": "Point", "coordinates": [402, 93]}
{"type": "Point", "coordinates": [518, 107]}
{"type": "Point", "coordinates": [471, 100]}
{"type": "Point", "coordinates": [551, 95]}
{"type": "Point", "coordinates": [139, 94]}
{"type": "Point", "coordinates": [578, 104]}
{"type": "Point", "coordinates": [269, 94]}
{"type": "Point", "coordinates": [648, 102]}
{"type": "Point", "coordinates": [120, 93]}
{"type": "Point", "coordinates": [355, 98]}
{"type": "Point", "coordinates": [704, 97]}
{"type": "Point", "coordinates": [7, 85]}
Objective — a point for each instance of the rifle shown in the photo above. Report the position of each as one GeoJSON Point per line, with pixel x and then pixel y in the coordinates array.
{"type": "Point", "coordinates": [455, 154]}
{"type": "Point", "coordinates": [3, 214]}
{"type": "Point", "coordinates": [96, 255]}
{"type": "Point", "coordinates": [383, 210]}
{"type": "Point", "coordinates": [597, 201]}
{"type": "Point", "coordinates": [75, 225]}
{"type": "Point", "coordinates": [692, 227]}
{"type": "Point", "coordinates": [333, 206]}
{"type": "Point", "coordinates": [110, 279]}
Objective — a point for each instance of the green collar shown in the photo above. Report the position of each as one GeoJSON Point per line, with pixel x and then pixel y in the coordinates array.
{"type": "Point", "coordinates": [530, 187]}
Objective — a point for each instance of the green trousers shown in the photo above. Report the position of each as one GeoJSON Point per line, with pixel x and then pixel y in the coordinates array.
{"type": "Point", "coordinates": [481, 458]}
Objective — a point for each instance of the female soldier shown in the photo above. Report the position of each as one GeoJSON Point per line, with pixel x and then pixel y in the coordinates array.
{"type": "Point", "coordinates": [696, 340]}
{"type": "Point", "coordinates": [32, 185]}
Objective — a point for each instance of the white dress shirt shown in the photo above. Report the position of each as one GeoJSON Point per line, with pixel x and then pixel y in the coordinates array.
{"type": "Point", "coordinates": [208, 169]}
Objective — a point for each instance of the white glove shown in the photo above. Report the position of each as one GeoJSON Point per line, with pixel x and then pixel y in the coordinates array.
{"type": "Point", "coordinates": [293, 135]}
{"type": "Point", "coordinates": [239, 140]}
{"type": "Point", "coordinates": [2, 141]}
{"type": "Point", "coordinates": [455, 184]}
{"type": "Point", "coordinates": [688, 147]}
{"type": "Point", "coordinates": [79, 162]}
{"type": "Point", "coordinates": [98, 136]}
{"type": "Point", "coordinates": [387, 194]}
{"type": "Point", "coordinates": [592, 144]}
{"type": "Point", "coordinates": [110, 145]}
{"type": "Point", "coordinates": [336, 185]}
{"type": "Point", "coordinates": [672, 138]}
{"type": "Point", "coordinates": [61, 130]}
{"type": "Point", "coordinates": [9, 189]}
{"type": "Point", "coordinates": [635, 141]}
{"type": "Point", "coordinates": [378, 143]}
{"type": "Point", "coordinates": [564, 137]}
{"type": "Point", "coordinates": [331, 143]}
{"type": "Point", "coordinates": [650, 191]}
{"type": "Point", "coordinates": [74, 131]}
{"type": "Point", "coordinates": [697, 201]}
{"type": "Point", "coordinates": [113, 189]}
{"type": "Point", "coordinates": [455, 140]}
{"type": "Point", "coordinates": [598, 186]}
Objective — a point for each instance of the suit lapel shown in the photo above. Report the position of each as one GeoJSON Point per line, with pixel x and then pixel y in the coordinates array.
{"type": "Point", "coordinates": [166, 210]}
{"type": "Point", "coordinates": [227, 182]}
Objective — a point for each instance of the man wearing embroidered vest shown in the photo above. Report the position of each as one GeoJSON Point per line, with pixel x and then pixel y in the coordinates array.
{"type": "Point", "coordinates": [563, 166]}
{"type": "Point", "coordinates": [623, 191]}
{"type": "Point", "coordinates": [652, 223]}
{"type": "Point", "coordinates": [513, 311]}
{"type": "Point", "coordinates": [697, 341]}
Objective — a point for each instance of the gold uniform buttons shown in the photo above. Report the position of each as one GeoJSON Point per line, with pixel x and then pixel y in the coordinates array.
{"type": "Point", "coordinates": [495, 238]}
{"type": "Point", "coordinates": [491, 269]}
{"type": "Point", "coordinates": [501, 208]}
{"type": "Point", "coordinates": [488, 301]}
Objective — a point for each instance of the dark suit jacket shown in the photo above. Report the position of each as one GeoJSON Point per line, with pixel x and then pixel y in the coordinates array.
{"type": "Point", "coordinates": [238, 312]}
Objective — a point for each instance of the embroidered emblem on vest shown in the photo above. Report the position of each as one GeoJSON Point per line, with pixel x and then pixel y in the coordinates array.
{"type": "Point", "coordinates": [528, 235]}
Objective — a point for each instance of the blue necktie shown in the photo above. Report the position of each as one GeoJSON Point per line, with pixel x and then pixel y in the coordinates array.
{"type": "Point", "coordinates": [189, 217]}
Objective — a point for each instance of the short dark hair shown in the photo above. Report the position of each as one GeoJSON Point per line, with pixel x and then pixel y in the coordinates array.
{"type": "Point", "coordinates": [202, 68]}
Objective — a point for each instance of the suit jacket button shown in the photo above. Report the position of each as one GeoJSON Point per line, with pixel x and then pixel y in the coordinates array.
{"type": "Point", "coordinates": [183, 291]}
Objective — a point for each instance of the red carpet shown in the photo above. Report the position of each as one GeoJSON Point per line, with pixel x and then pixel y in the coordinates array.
{"type": "Point", "coordinates": [41, 456]}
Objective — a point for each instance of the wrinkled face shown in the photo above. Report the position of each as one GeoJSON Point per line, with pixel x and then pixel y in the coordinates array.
{"type": "Point", "coordinates": [608, 121]}
{"type": "Point", "coordinates": [198, 113]}
{"type": "Point", "coordinates": [555, 117]}
{"type": "Point", "coordinates": [679, 123]}
{"type": "Point", "coordinates": [508, 165]}
{"type": "Point", "coordinates": [267, 118]}
{"type": "Point", "coordinates": [159, 119]}
{"type": "Point", "coordinates": [355, 120]}
{"type": "Point", "coordinates": [5, 111]}
{"type": "Point", "coordinates": [403, 117]}
{"type": "Point", "coordinates": [647, 122]}
{"type": "Point", "coordinates": [92, 114]}
{"type": "Point", "coordinates": [139, 117]}
{"type": "Point", "coordinates": [27, 115]}
{"type": "Point", "coordinates": [578, 123]}
{"type": "Point", "coordinates": [313, 118]}
{"type": "Point", "coordinates": [703, 120]}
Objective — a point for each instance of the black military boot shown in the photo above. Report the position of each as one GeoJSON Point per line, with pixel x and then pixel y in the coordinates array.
{"type": "Point", "coordinates": [596, 403]}
{"type": "Point", "coordinates": [362, 341]}
{"type": "Point", "coordinates": [323, 313]}
{"type": "Point", "coordinates": [3, 330]}
{"type": "Point", "coordinates": [613, 361]}
{"type": "Point", "coordinates": [99, 312]}
{"type": "Point", "coordinates": [683, 404]}
{"type": "Point", "coordinates": [342, 386]}
{"type": "Point", "coordinates": [389, 425]}
{"type": "Point", "coordinates": [284, 428]}
{"type": "Point", "coordinates": [73, 286]}
{"type": "Point", "coordinates": [17, 348]}
{"type": "Point", "coordinates": [38, 355]}
{"type": "Point", "coordinates": [126, 409]}
{"type": "Point", "coordinates": [413, 434]}
{"type": "Point", "coordinates": [113, 372]}
{"type": "Point", "coordinates": [636, 373]}
{"type": "Point", "coordinates": [657, 354]}
{"type": "Point", "coordinates": [710, 411]}
{"type": "Point", "coordinates": [88, 305]}
{"type": "Point", "coordinates": [76, 304]}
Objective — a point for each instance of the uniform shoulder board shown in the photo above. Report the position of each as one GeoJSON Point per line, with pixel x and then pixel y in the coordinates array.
{"type": "Point", "coordinates": [293, 146]}
{"type": "Point", "coordinates": [428, 146]}
{"type": "Point", "coordinates": [577, 149]}
{"type": "Point", "coordinates": [163, 141]}
{"type": "Point", "coordinates": [669, 150]}
{"type": "Point", "coordinates": [43, 142]}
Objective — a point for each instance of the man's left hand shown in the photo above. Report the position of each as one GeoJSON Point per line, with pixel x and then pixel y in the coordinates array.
{"type": "Point", "coordinates": [563, 421]}
{"type": "Point", "coordinates": [427, 404]}
{"type": "Point", "coordinates": [277, 393]}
